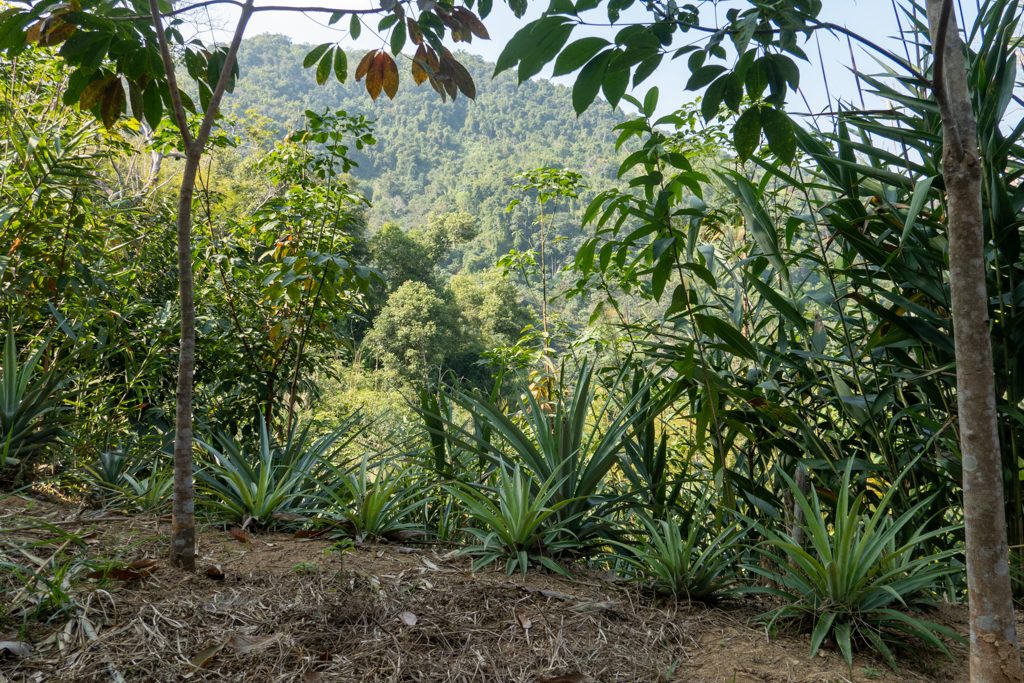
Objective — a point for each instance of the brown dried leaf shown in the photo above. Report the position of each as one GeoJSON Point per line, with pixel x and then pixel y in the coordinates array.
{"type": "Point", "coordinates": [375, 74]}
{"type": "Point", "coordinates": [16, 648]}
{"type": "Point", "coordinates": [390, 76]}
{"type": "Point", "coordinates": [415, 34]}
{"type": "Point", "coordinates": [243, 645]}
{"type": "Point", "coordinates": [436, 85]}
{"type": "Point", "coordinates": [445, 18]}
{"type": "Point", "coordinates": [57, 34]}
{"type": "Point", "coordinates": [432, 61]}
{"type": "Point", "coordinates": [240, 535]}
{"type": "Point", "coordinates": [364, 65]}
{"type": "Point", "coordinates": [585, 607]}
{"type": "Point", "coordinates": [206, 655]}
{"type": "Point", "coordinates": [136, 570]}
{"type": "Point", "coordinates": [215, 572]}
{"type": "Point", "coordinates": [34, 31]}
{"type": "Point", "coordinates": [91, 538]}
{"type": "Point", "coordinates": [144, 566]}
{"type": "Point", "coordinates": [408, 618]}
{"type": "Point", "coordinates": [450, 88]}
{"type": "Point", "coordinates": [309, 533]}
{"type": "Point", "coordinates": [93, 92]}
{"type": "Point", "coordinates": [470, 20]}
{"type": "Point", "coordinates": [112, 103]}
{"type": "Point", "coordinates": [564, 678]}
{"type": "Point", "coordinates": [403, 535]}
{"type": "Point", "coordinates": [524, 621]}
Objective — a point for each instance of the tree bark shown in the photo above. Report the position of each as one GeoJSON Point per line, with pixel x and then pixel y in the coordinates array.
{"type": "Point", "coordinates": [183, 524]}
{"type": "Point", "coordinates": [995, 656]}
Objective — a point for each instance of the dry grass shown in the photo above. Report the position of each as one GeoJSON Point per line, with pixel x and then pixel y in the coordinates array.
{"type": "Point", "coordinates": [288, 610]}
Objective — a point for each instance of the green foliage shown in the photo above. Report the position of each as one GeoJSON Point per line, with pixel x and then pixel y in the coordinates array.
{"type": "Point", "coordinates": [32, 417]}
{"type": "Point", "coordinates": [110, 472]}
{"type": "Point", "coordinates": [414, 333]}
{"type": "Point", "coordinates": [370, 508]}
{"type": "Point", "coordinates": [459, 157]}
{"type": "Point", "coordinates": [565, 441]}
{"type": "Point", "coordinates": [690, 560]}
{"type": "Point", "coordinates": [858, 566]}
{"type": "Point", "coordinates": [515, 520]}
{"type": "Point", "coordinates": [280, 478]}
{"type": "Point", "coordinates": [150, 492]}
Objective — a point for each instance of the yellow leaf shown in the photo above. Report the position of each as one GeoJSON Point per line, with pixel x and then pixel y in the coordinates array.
{"type": "Point", "coordinates": [419, 74]}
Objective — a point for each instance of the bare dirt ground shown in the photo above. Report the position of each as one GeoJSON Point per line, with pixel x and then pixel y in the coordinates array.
{"type": "Point", "coordinates": [285, 609]}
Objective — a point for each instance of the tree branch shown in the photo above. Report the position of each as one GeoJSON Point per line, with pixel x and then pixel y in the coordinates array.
{"type": "Point", "coordinates": [225, 76]}
{"type": "Point", "coordinates": [238, 3]}
{"type": "Point", "coordinates": [172, 81]}
{"type": "Point", "coordinates": [938, 82]}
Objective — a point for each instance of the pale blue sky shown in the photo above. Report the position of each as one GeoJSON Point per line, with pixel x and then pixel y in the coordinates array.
{"type": "Point", "coordinates": [873, 19]}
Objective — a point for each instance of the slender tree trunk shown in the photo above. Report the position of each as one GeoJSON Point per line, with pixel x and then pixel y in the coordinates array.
{"type": "Point", "coordinates": [183, 528]}
{"type": "Point", "coordinates": [183, 524]}
{"type": "Point", "coordinates": [995, 657]}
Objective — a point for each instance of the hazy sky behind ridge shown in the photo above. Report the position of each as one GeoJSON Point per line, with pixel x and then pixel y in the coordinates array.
{"type": "Point", "coordinates": [872, 19]}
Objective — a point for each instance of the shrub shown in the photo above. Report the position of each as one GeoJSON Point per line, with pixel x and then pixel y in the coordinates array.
{"type": "Point", "coordinates": [371, 508]}
{"type": "Point", "coordinates": [848, 580]}
{"type": "Point", "coordinates": [279, 478]}
{"type": "Point", "coordinates": [518, 525]}
{"type": "Point", "coordinates": [689, 560]}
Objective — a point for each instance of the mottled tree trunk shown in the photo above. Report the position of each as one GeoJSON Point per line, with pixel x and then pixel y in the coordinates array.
{"type": "Point", "coordinates": [183, 518]}
{"type": "Point", "coordinates": [994, 653]}
{"type": "Point", "coordinates": [183, 524]}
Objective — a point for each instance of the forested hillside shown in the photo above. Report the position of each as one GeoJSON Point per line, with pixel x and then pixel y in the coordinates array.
{"type": "Point", "coordinates": [753, 388]}
{"type": "Point", "coordinates": [442, 157]}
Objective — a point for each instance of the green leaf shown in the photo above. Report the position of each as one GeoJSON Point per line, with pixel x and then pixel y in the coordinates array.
{"type": "Point", "coordinates": [704, 75]}
{"type": "Point", "coordinates": [578, 53]}
{"type": "Point", "coordinates": [551, 35]}
{"type": "Point", "coordinates": [520, 44]}
{"type": "Point", "coordinates": [821, 629]}
{"type": "Point", "coordinates": [729, 335]}
{"type": "Point", "coordinates": [354, 27]}
{"type": "Point", "coordinates": [614, 86]}
{"type": "Point", "coordinates": [778, 302]}
{"type": "Point", "coordinates": [660, 274]}
{"type": "Point", "coordinates": [152, 104]}
{"type": "Point", "coordinates": [387, 22]}
{"type": "Point", "coordinates": [340, 65]}
{"type": "Point", "coordinates": [589, 82]}
{"type": "Point", "coordinates": [757, 78]}
{"type": "Point", "coordinates": [314, 56]}
{"type": "Point", "coordinates": [779, 130]}
{"type": "Point", "coordinates": [712, 101]}
{"type": "Point", "coordinates": [646, 68]}
{"type": "Point", "coordinates": [746, 134]}
{"type": "Point", "coordinates": [398, 38]}
{"type": "Point", "coordinates": [323, 69]}
{"type": "Point", "coordinates": [920, 196]}
{"type": "Point", "coordinates": [651, 102]}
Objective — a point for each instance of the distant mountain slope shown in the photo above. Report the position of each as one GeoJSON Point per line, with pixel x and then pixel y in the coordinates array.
{"type": "Point", "coordinates": [443, 156]}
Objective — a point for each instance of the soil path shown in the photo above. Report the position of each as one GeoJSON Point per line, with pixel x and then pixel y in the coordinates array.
{"type": "Point", "coordinates": [282, 609]}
